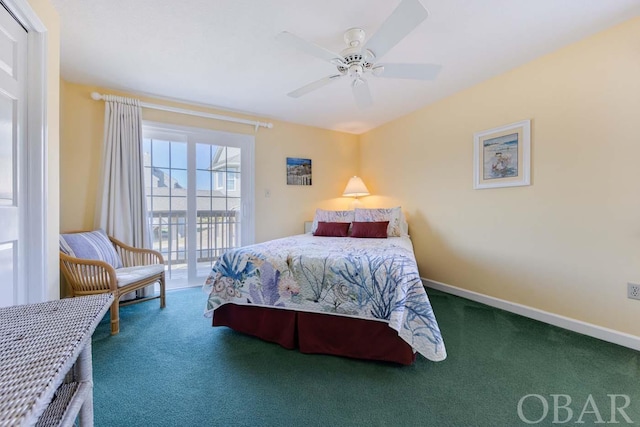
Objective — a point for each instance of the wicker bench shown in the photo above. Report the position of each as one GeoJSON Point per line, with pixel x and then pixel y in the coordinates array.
{"type": "Point", "coordinates": [45, 361]}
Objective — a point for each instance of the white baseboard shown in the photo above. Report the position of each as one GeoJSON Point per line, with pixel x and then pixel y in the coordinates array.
{"type": "Point", "coordinates": [605, 334]}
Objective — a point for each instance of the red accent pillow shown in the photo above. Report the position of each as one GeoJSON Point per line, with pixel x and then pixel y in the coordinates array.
{"type": "Point", "coordinates": [373, 229]}
{"type": "Point", "coordinates": [332, 229]}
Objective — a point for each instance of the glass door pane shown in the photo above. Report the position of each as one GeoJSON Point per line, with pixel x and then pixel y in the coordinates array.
{"type": "Point", "coordinates": [166, 183]}
{"type": "Point", "coordinates": [219, 189]}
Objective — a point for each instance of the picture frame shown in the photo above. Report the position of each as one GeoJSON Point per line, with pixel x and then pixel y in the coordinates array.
{"type": "Point", "coordinates": [502, 156]}
{"type": "Point", "coordinates": [298, 171]}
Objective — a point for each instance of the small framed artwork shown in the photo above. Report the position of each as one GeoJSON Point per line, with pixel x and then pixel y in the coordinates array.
{"type": "Point", "coordinates": [502, 156]}
{"type": "Point", "coordinates": [298, 171]}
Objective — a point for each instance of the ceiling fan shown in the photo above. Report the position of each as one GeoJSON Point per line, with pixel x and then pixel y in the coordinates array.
{"type": "Point", "coordinates": [358, 59]}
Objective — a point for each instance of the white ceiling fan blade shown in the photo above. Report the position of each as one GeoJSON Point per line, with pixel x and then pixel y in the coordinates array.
{"type": "Point", "coordinates": [407, 16]}
{"type": "Point", "coordinates": [309, 48]}
{"type": "Point", "coordinates": [361, 93]}
{"type": "Point", "coordinates": [313, 86]}
{"type": "Point", "coordinates": [407, 71]}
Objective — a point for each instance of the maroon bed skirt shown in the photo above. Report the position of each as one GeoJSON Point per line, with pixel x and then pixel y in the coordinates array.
{"type": "Point", "coordinates": [317, 332]}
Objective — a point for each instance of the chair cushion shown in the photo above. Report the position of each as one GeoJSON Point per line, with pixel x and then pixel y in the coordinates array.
{"type": "Point", "coordinates": [128, 275]}
{"type": "Point", "coordinates": [93, 245]}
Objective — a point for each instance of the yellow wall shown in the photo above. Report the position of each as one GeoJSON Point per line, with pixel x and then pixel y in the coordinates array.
{"type": "Point", "coordinates": [334, 156]}
{"type": "Point", "coordinates": [568, 243]}
{"type": "Point", "coordinates": [51, 21]}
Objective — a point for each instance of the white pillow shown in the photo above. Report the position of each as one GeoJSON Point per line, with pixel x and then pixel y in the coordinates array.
{"type": "Point", "coordinates": [331, 216]}
{"type": "Point", "coordinates": [397, 222]}
{"type": "Point", "coordinates": [404, 225]}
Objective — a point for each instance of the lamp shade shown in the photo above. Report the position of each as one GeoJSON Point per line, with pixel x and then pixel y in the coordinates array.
{"type": "Point", "coordinates": [355, 188]}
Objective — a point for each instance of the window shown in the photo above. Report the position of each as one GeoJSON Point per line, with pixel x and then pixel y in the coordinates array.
{"type": "Point", "coordinates": [224, 180]}
{"type": "Point", "coordinates": [199, 196]}
{"type": "Point", "coordinates": [219, 179]}
{"type": "Point", "coordinates": [231, 180]}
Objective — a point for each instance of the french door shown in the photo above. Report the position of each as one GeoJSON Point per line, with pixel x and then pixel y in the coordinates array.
{"type": "Point", "coordinates": [13, 74]}
{"type": "Point", "coordinates": [199, 189]}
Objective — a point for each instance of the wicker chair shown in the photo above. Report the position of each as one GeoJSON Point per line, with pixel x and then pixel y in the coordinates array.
{"type": "Point", "coordinates": [141, 268]}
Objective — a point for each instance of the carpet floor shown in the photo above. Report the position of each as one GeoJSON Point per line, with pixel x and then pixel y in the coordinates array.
{"type": "Point", "coordinates": [170, 367]}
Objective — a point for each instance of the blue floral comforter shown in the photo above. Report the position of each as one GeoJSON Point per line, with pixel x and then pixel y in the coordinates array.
{"type": "Point", "coordinates": [364, 278]}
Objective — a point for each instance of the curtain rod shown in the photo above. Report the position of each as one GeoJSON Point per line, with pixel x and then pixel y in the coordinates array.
{"type": "Point", "coordinates": [97, 96]}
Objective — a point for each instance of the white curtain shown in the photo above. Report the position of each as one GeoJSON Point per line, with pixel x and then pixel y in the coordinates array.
{"type": "Point", "coordinates": [121, 205]}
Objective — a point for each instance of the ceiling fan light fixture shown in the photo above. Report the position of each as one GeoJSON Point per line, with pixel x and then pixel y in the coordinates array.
{"type": "Point", "coordinates": [355, 71]}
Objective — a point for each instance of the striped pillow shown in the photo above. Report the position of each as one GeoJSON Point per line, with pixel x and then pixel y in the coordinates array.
{"type": "Point", "coordinates": [90, 245]}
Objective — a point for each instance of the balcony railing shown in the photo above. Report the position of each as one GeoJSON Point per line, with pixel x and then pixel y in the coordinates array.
{"type": "Point", "coordinates": [216, 231]}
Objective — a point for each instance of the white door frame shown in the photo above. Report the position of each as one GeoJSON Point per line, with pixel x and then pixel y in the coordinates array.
{"type": "Point", "coordinates": [34, 159]}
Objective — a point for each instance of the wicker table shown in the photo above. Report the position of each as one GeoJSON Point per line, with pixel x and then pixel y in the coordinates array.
{"type": "Point", "coordinates": [45, 361]}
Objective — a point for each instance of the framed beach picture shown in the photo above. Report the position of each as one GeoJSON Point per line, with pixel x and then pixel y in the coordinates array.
{"type": "Point", "coordinates": [502, 156]}
{"type": "Point", "coordinates": [298, 171]}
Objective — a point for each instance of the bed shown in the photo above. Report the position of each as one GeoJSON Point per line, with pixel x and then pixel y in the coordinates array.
{"type": "Point", "coordinates": [354, 297]}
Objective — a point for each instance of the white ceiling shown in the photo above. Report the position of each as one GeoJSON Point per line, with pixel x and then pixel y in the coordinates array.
{"type": "Point", "coordinates": [223, 53]}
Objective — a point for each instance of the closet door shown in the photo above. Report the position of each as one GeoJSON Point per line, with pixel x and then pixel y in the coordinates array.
{"type": "Point", "coordinates": [13, 73]}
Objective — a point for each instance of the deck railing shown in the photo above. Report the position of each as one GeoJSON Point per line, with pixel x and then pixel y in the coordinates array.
{"type": "Point", "coordinates": [216, 231]}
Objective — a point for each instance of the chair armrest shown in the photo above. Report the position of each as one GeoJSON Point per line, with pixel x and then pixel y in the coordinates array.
{"type": "Point", "coordinates": [132, 257]}
{"type": "Point", "coordinates": [88, 276]}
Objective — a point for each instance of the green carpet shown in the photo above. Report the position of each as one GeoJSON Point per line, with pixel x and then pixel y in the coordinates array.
{"type": "Point", "coordinates": [171, 368]}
